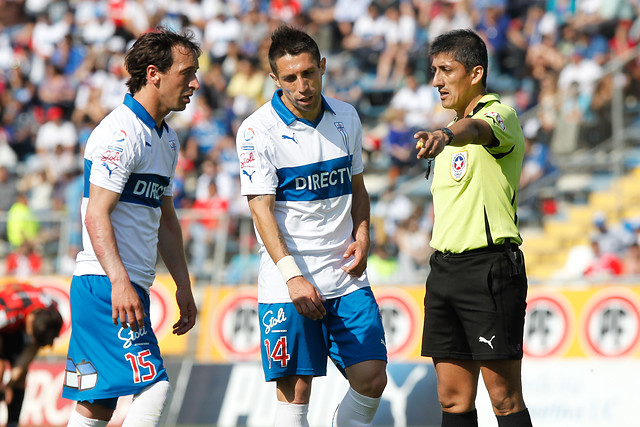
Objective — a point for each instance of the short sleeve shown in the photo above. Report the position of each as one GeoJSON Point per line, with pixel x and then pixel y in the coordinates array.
{"type": "Point", "coordinates": [112, 157]}
{"type": "Point", "coordinates": [257, 168]}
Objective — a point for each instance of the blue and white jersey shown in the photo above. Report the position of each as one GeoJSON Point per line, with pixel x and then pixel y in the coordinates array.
{"type": "Point", "coordinates": [309, 167]}
{"type": "Point", "coordinates": [126, 153]}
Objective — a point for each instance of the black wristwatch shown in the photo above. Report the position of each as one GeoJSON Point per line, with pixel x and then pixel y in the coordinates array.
{"type": "Point", "coordinates": [449, 134]}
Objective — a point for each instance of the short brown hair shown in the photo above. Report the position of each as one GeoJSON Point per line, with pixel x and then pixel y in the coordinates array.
{"type": "Point", "coordinates": [155, 48]}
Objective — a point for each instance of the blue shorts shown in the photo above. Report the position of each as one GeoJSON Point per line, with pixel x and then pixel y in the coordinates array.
{"type": "Point", "coordinates": [350, 332]}
{"type": "Point", "coordinates": [104, 360]}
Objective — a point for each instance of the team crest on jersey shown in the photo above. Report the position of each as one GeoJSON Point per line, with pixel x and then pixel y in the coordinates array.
{"type": "Point", "coordinates": [119, 135]}
{"type": "Point", "coordinates": [497, 118]}
{"type": "Point", "coordinates": [459, 165]}
{"type": "Point", "coordinates": [343, 132]}
{"type": "Point", "coordinates": [173, 145]}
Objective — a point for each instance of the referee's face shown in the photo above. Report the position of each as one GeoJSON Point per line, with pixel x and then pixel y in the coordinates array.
{"type": "Point", "coordinates": [300, 78]}
{"type": "Point", "coordinates": [457, 86]}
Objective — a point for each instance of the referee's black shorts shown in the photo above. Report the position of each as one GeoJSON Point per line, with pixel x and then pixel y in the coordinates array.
{"type": "Point", "coordinates": [475, 305]}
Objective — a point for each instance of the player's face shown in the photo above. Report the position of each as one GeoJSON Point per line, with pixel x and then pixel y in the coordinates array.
{"type": "Point", "coordinates": [455, 84]}
{"type": "Point", "coordinates": [300, 78]}
{"type": "Point", "coordinates": [178, 84]}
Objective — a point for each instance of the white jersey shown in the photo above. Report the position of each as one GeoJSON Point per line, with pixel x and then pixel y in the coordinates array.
{"type": "Point", "coordinates": [126, 153]}
{"type": "Point", "coordinates": [309, 167]}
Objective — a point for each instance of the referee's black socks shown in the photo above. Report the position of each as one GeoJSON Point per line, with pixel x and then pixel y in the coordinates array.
{"type": "Point", "coordinates": [465, 419]}
{"type": "Point", "coordinates": [518, 419]}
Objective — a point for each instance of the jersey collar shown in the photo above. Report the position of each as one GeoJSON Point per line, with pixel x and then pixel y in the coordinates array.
{"type": "Point", "coordinates": [288, 117]}
{"type": "Point", "coordinates": [143, 114]}
{"type": "Point", "coordinates": [483, 101]}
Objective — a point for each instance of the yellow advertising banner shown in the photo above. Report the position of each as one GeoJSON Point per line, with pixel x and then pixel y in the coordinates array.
{"type": "Point", "coordinates": [568, 321]}
{"type": "Point", "coordinates": [561, 321]}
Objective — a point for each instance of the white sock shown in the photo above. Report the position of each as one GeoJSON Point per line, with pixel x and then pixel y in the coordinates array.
{"type": "Point", "coordinates": [355, 410]}
{"type": "Point", "coordinates": [77, 420]}
{"type": "Point", "coordinates": [291, 415]}
{"type": "Point", "coordinates": [146, 407]}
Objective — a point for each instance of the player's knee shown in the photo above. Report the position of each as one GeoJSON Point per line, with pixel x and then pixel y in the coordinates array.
{"type": "Point", "coordinates": [374, 385]}
{"type": "Point", "coordinates": [506, 401]}
{"type": "Point", "coordinates": [455, 399]}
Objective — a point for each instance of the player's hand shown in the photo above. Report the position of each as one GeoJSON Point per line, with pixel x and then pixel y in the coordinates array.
{"type": "Point", "coordinates": [126, 306]}
{"type": "Point", "coordinates": [359, 251]}
{"type": "Point", "coordinates": [187, 308]}
{"type": "Point", "coordinates": [430, 144]}
{"type": "Point", "coordinates": [306, 298]}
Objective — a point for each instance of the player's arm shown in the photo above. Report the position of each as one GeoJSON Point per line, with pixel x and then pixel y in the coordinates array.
{"type": "Point", "coordinates": [125, 303]}
{"type": "Point", "coordinates": [171, 248]}
{"type": "Point", "coordinates": [360, 213]}
{"type": "Point", "coordinates": [304, 295]}
{"type": "Point", "coordinates": [465, 131]}
{"type": "Point", "coordinates": [19, 370]}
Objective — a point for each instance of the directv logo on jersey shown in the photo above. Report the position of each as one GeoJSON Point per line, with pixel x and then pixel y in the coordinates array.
{"type": "Point", "coordinates": [151, 190]}
{"type": "Point", "coordinates": [145, 189]}
{"type": "Point", "coordinates": [316, 181]}
{"type": "Point", "coordinates": [324, 179]}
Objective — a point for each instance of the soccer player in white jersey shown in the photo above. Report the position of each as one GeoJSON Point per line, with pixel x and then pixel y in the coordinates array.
{"type": "Point", "coordinates": [128, 217]}
{"type": "Point", "coordinates": [301, 162]}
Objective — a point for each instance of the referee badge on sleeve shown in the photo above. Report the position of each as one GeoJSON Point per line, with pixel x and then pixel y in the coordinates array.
{"type": "Point", "coordinates": [459, 165]}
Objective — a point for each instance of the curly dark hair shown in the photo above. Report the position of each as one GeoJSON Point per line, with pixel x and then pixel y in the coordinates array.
{"type": "Point", "coordinates": [47, 324]}
{"type": "Point", "coordinates": [155, 48]}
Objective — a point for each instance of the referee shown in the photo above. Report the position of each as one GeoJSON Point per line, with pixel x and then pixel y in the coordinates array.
{"type": "Point", "coordinates": [476, 292]}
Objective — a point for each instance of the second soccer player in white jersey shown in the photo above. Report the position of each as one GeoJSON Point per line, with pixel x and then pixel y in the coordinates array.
{"type": "Point", "coordinates": [301, 170]}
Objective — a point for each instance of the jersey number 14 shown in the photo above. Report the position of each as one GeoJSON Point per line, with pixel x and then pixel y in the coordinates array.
{"type": "Point", "coordinates": [279, 353]}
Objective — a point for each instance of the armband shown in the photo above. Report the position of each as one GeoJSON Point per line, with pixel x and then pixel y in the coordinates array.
{"type": "Point", "coordinates": [288, 268]}
{"type": "Point", "coordinates": [449, 134]}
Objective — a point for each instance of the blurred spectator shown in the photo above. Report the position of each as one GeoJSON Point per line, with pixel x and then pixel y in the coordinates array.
{"type": "Point", "coordinates": [346, 12]}
{"type": "Point", "coordinates": [366, 40]}
{"type": "Point", "coordinates": [382, 265]}
{"type": "Point", "coordinates": [452, 16]}
{"type": "Point", "coordinates": [219, 32]}
{"type": "Point", "coordinates": [8, 157]}
{"type": "Point", "coordinates": [22, 225]}
{"type": "Point", "coordinates": [56, 144]}
{"type": "Point", "coordinates": [8, 189]}
{"type": "Point", "coordinates": [284, 10]}
{"type": "Point", "coordinates": [24, 261]}
{"type": "Point", "coordinates": [56, 89]}
{"type": "Point", "coordinates": [420, 103]}
{"type": "Point", "coordinates": [604, 265]}
{"type": "Point", "coordinates": [398, 145]}
{"type": "Point", "coordinates": [393, 207]}
{"type": "Point", "coordinates": [582, 71]}
{"type": "Point", "coordinates": [245, 87]}
{"type": "Point", "coordinates": [202, 232]}
{"type": "Point", "coordinates": [631, 260]}
{"type": "Point", "coordinates": [611, 240]}
{"type": "Point", "coordinates": [399, 32]}
{"type": "Point", "coordinates": [537, 162]}
{"type": "Point", "coordinates": [413, 249]}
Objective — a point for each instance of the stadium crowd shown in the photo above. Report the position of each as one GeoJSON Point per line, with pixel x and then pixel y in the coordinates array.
{"type": "Point", "coordinates": [61, 72]}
